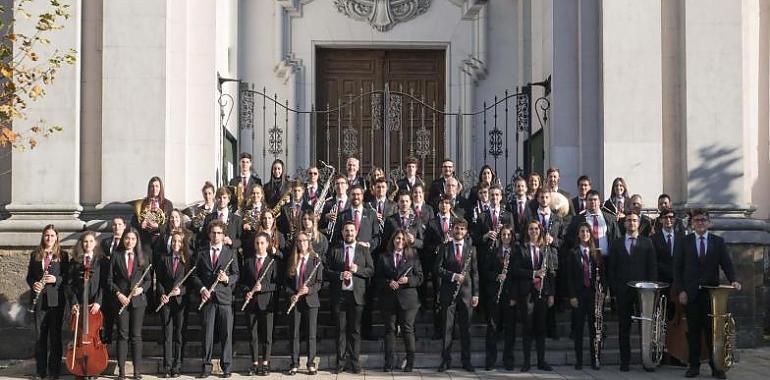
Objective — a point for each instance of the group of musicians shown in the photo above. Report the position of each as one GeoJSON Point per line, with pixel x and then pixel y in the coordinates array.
{"type": "Point", "coordinates": [265, 249]}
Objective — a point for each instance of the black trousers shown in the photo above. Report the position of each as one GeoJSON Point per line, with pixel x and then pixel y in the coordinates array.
{"type": "Point", "coordinates": [580, 315]}
{"type": "Point", "coordinates": [501, 319]}
{"type": "Point", "coordinates": [347, 314]}
{"type": "Point", "coordinates": [699, 322]}
{"type": "Point", "coordinates": [217, 318]}
{"type": "Point", "coordinates": [310, 316]}
{"type": "Point", "coordinates": [109, 310]}
{"type": "Point", "coordinates": [261, 334]}
{"type": "Point", "coordinates": [427, 258]}
{"type": "Point", "coordinates": [532, 314]}
{"type": "Point", "coordinates": [462, 312]}
{"type": "Point", "coordinates": [625, 303]}
{"type": "Point", "coordinates": [406, 318]}
{"type": "Point", "coordinates": [48, 343]}
{"type": "Point", "coordinates": [173, 318]}
{"type": "Point", "coordinates": [130, 329]}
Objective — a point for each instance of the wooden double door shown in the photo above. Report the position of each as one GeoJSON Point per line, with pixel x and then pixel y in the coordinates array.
{"type": "Point", "coordinates": [382, 107]}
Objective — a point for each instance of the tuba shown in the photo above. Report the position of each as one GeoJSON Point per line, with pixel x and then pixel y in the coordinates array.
{"type": "Point", "coordinates": [653, 321]}
{"type": "Point", "coordinates": [722, 327]}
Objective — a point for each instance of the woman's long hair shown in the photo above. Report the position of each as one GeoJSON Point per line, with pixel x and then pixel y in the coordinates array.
{"type": "Point", "coordinates": [315, 235]}
{"type": "Point", "coordinates": [509, 228]}
{"type": "Point", "coordinates": [185, 249]}
{"type": "Point", "coordinates": [169, 228]}
{"type": "Point", "coordinates": [481, 172]}
{"type": "Point", "coordinates": [138, 249]}
{"type": "Point", "coordinates": [291, 271]}
{"type": "Point", "coordinates": [540, 242]}
{"type": "Point", "coordinates": [619, 180]}
{"type": "Point", "coordinates": [56, 249]}
{"type": "Point", "coordinates": [161, 194]}
{"type": "Point", "coordinates": [592, 246]}
{"type": "Point", "coordinates": [78, 253]}
{"type": "Point", "coordinates": [273, 231]}
{"type": "Point", "coordinates": [408, 250]}
{"type": "Point", "coordinates": [283, 170]}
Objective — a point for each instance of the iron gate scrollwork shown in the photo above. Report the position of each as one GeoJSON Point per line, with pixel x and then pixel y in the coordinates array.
{"type": "Point", "coordinates": [394, 116]}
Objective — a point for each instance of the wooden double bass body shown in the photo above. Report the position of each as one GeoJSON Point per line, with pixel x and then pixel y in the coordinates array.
{"type": "Point", "coordinates": [86, 355]}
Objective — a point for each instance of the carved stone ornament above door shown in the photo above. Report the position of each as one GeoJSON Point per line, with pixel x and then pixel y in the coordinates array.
{"type": "Point", "coordinates": [382, 15]}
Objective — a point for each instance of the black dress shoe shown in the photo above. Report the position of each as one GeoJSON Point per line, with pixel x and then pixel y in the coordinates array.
{"type": "Point", "coordinates": [595, 367]}
{"type": "Point", "coordinates": [175, 374]}
{"type": "Point", "coordinates": [509, 366]}
{"type": "Point", "coordinates": [292, 372]}
{"type": "Point", "coordinates": [526, 367]}
{"type": "Point", "coordinates": [253, 370]}
{"type": "Point", "coordinates": [167, 375]}
{"type": "Point", "coordinates": [387, 367]}
{"type": "Point", "coordinates": [204, 374]}
{"type": "Point", "coordinates": [227, 375]}
{"type": "Point", "coordinates": [120, 377]}
{"type": "Point", "coordinates": [624, 367]}
{"type": "Point", "coordinates": [264, 370]}
{"type": "Point", "coordinates": [717, 374]}
{"type": "Point", "coordinates": [444, 366]}
{"type": "Point", "coordinates": [339, 369]}
{"type": "Point", "coordinates": [578, 366]}
{"type": "Point", "coordinates": [544, 367]}
{"type": "Point", "coordinates": [312, 371]}
{"type": "Point", "coordinates": [692, 372]}
{"type": "Point", "coordinates": [356, 370]}
{"type": "Point", "coordinates": [408, 367]}
{"type": "Point", "coordinates": [469, 368]}
{"type": "Point", "coordinates": [137, 376]}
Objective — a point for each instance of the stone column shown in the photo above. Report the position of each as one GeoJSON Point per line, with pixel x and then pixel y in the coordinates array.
{"type": "Point", "coordinates": [46, 180]}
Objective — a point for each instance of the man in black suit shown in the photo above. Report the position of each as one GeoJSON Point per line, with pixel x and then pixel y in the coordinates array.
{"type": "Point", "coordinates": [411, 179]}
{"type": "Point", "coordinates": [551, 223]}
{"type": "Point", "coordinates": [667, 242]}
{"type": "Point", "coordinates": [231, 222]}
{"type": "Point", "coordinates": [353, 173]}
{"type": "Point", "coordinates": [212, 270]}
{"type": "Point", "coordinates": [348, 268]}
{"type": "Point", "coordinates": [404, 218]}
{"type": "Point", "coordinates": [664, 202]}
{"type": "Point", "coordinates": [438, 186]}
{"type": "Point", "coordinates": [697, 264]}
{"type": "Point", "coordinates": [291, 211]}
{"type": "Point", "coordinates": [604, 226]}
{"type": "Point", "coordinates": [486, 231]}
{"type": "Point", "coordinates": [364, 219]}
{"type": "Point", "coordinates": [423, 211]}
{"type": "Point", "coordinates": [438, 231]}
{"type": "Point", "coordinates": [458, 201]}
{"type": "Point", "coordinates": [579, 201]}
{"type": "Point", "coordinates": [457, 267]}
{"type": "Point", "coordinates": [632, 258]}
{"type": "Point", "coordinates": [553, 176]}
{"type": "Point", "coordinates": [381, 204]}
{"type": "Point", "coordinates": [109, 245]}
{"type": "Point", "coordinates": [313, 188]}
{"type": "Point", "coordinates": [246, 178]}
{"type": "Point", "coordinates": [518, 207]}
{"type": "Point", "coordinates": [335, 206]}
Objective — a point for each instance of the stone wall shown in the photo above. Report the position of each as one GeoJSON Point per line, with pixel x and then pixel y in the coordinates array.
{"type": "Point", "coordinates": [16, 326]}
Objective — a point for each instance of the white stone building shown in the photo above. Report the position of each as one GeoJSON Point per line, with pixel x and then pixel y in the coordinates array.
{"type": "Point", "coordinates": [674, 96]}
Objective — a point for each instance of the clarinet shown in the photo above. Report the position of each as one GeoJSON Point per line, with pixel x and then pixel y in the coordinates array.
{"type": "Point", "coordinates": [598, 317]}
{"type": "Point", "coordinates": [178, 284]}
{"type": "Point", "coordinates": [504, 272]}
{"type": "Point", "coordinates": [546, 267]}
{"type": "Point", "coordinates": [295, 298]}
{"type": "Point", "coordinates": [259, 281]}
{"type": "Point", "coordinates": [466, 264]}
{"type": "Point", "coordinates": [214, 285]}
{"type": "Point", "coordinates": [330, 227]}
{"type": "Point", "coordinates": [136, 286]}
{"type": "Point", "coordinates": [37, 294]}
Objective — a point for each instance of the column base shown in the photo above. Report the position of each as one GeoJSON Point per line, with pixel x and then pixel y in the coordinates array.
{"type": "Point", "coordinates": [26, 222]}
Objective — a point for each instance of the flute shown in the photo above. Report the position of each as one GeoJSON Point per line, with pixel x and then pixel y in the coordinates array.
{"type": "Point", "coordinates": [259, 281]}
{"type": "Point", "coordinates": [295, 297]}
{"type": "Point", "coordinates": [136, 286]}
{"type": "Point", "coordinates": [214, 285]}
{"type": "Point", "coordinates": [178, 284]}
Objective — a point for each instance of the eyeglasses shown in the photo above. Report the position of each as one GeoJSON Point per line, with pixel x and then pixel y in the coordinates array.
{"type": "Point", "coordinates": [312, 173]}
{"type": "Point", "coordinates": [667, 217]}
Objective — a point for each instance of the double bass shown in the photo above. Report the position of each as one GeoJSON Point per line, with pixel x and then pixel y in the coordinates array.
{"type": "Point", "coordinates": [86, 355]}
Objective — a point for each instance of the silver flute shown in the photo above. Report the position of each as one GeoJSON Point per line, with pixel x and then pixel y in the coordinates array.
{"type": "Point", "coordinates": [178, 284]}
{"type": "Point", "coordinates": [216, 282]}
{"type": "Point", "coordinates": [259, 281]}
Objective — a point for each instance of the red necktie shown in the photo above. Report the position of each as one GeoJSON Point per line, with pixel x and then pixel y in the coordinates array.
{"type": "Point", "coordinates": [494, 218]}
{"type": "Point", "coordinates": [521, 212]}
{"type": "Point", "coordinates": [702, 252]}
{"type": "Point", "coordinates": [47, 261]}
{"type": "Point", "coordinates": [398, 258]}
{"type": "Point", "coordinates": [458, 254]}
{"type": "Point", "coordinates": [222, 217]}
{"type": "Point", "coordinates": [357, 219]}
{"type": "Point", "coordinates": [311, 190]}
{"type": "Point", "coordinates": [87, 263]}
{"type": "Point", "coordinates": [586, 269]}
{"type": "Point", "coordinates": [115, 243]}
{"type": "Point", "coordinates": [404, 225]}
{"type": "Point", "coordinates": [215, 255]}
{"type": "Point", "coordinates": [301, 273]}
{"type": "Point", "coordinates": [379, 207]}
{"type": "Point", "coordinates": [175, 265]}
{"type": "Point", "coordinates": [347, 263]}
{"type": "Point", "coordinates": [596, 227]}
{"type": "Point", "coordinates": [245, 182]}
{"type": "Point", "coordinates": [418, 211]}
{"type": "Point", "coordinates": [445, 225]}
{"type": "Point", "coordinates": [130, 268]}
{"type": "Point", "coordinates": [259, 265]}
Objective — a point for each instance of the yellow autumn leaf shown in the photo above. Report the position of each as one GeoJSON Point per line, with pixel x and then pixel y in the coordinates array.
{"type": "Point", "coordinates": [6, 72]}
{"type": "Point", "coordinates": [36, 92]}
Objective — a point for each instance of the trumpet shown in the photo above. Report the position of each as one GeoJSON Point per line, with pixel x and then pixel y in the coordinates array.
{"type": "Point", "coordinates": [178, 284]}
{"type": "Point", "coordinates": [136, 286]}
{"type": "Point", "coordinates": [295, 298]}
{"type": "Point", "coordinates": [259, 281]}
{"type": "Point", "coordinates": [216, 282]}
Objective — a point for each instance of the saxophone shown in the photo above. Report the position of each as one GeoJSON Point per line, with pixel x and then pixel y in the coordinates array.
{"type": "Point", "coordinates": [320, 201]}
{"type": "Point", "coordinates": [723, 327]}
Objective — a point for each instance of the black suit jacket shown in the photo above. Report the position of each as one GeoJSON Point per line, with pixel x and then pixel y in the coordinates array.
{"type": "Point", "coordinates": [287, 213]}
{"type": "Point", "coordinates": [405, 296]}
{"type": "Point", "coordinates": [206, 273]}
{"type": "Point", "coordinates": [335, 265]}
{"type": "Point", "coordinates": [252, 180]}
{"type": "Point", "coordinates": [523, 271]}
{"type": "Point", "coordinates": [167, 279]}
{"type": "Point", "coordinates": [492, 267]}
{"type": "Point", "coordinates": [274, 190]}
{"type": "Point", "coordinates": [314, 285]}
{"type": "Point", "coordinates": [426, 213]}
{"type": "Point", "coordinates": [519, 222]}
{"type": "Point", "coordinates": [52, 295]}
{"type": "Point", "coordinates": [265, 298]}
{"type": "Point", "coordinates": [318, 189]}
{"type": "Point", "coordinates": [447, 266]}
{"type": "Point", "coordinates": [485, 224]}
{"type": "Point", "coordinates": [639, 265]}
{"type": "Point", "coordinates": [368, 231]}
{"type": "Point", "coordinates": [690, 273]}
{"type": "Point", "coordinates": [106, 246]}
{"type": "Point", "coordinates": [436, 191]}
{"type": "Point", "coordinates": [328, 206]}
{"type": "Point", "coordinates": [147, 235]}
{"type": "Point", "coordinates": [119, 280]}
{"type": "Point", "coordinates": [434, 233]}
{"type": "Point", "coordinates": [573, 267]}
{"type": "Point", "coordinates": [74, 278]}
{"type": "Point", "coordinates": [666, 257]}
{"type": "Point", "coordinates": [403, 184]}
{"type": "Point", "coordinates": [393, 223]}
{"type": "Point", "coordinates": [570, 237]}
{"type": "Point", "coordinates": [233, 229]}
{"type": "Point", "coordinates": [388, 207]}
{"type": "Point", "coordinates": [555, 227]}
